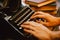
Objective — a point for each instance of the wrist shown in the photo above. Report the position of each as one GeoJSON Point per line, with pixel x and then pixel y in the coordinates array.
{"type": "Point", "coordinates": [45, 38]}
{"type": "Point", "coordinates": [55, 34]}
{"type": "Point", "coordinates": [59, 20]}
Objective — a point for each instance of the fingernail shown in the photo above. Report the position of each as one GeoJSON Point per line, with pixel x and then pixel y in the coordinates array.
{"type": "Point", "coordinates": [31, 17]}
{"type": "Point", "coordinates": [20, 27]}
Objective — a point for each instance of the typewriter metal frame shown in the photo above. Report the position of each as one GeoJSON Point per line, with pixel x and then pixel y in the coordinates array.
{"type": "Point", "coordinates": [15, 17]}
{"type": "Point", "coordinates": [22, 18]}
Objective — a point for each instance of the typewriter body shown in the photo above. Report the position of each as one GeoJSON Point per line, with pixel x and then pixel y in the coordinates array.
{"type": "Point", "coordinates": [14, 14]}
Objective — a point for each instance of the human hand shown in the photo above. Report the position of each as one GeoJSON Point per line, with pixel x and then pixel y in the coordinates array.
{"type": "Point", "coordinates": [50, 20]}
{"type": "Point", "coordinates": [37, 30]}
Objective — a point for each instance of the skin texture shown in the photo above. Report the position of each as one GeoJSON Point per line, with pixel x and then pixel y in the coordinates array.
{"type": "Point", "coordinates": [50, 20]}
{"type": "Point", "coordinates": [40, 31]}
{"type": "Point", "coordinates": [39, 28]}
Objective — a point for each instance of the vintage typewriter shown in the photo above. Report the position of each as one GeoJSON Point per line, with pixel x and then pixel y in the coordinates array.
{"type": "Point", "coordinates": [18, 18]}
{"type": "Point", "coordinates": [15, 15]}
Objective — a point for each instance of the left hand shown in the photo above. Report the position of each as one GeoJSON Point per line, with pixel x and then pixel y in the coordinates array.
{"type": "Point", "coordinates": [37, 30]}
{"type": "Point", "coordinates": [50, 21]}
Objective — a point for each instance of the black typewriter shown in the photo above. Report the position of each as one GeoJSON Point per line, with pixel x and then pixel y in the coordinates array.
{"type": "Point", "coordinates": [14, 13]}
{"type": "Point", "coordinates": [19, 17]}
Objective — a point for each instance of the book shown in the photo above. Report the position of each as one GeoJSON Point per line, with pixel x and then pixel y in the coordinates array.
{"type": "Point", "coordinates": [39, 4]}
{"type": "Point", "coordinates": [36, 1]}
{"type": "Point", "coordinates": [44, 8]}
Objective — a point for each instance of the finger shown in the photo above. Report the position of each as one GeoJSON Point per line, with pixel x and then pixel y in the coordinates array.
{"type": "Point", "coordinates": [40, 12]}
{"type": "Point", "coordinates": [33, 24]}
{"type": "Point", "coordinates": [47, 18]}
{"type": "Point", "coordinates": [36, 13]}
{"type": "Point", "coordinates": [26, 23]}
{"type": "Point", "coordinates": [39, 20]}
{"type": "Point", "coordinates": [29, 27]}
{"type": "Point", "coordinates": [44, 23]}
{"type": "Point", "coordinates": [37, 25]}
{"type": "Point", "coordinates": [30, 23]}
{"type": "Point", "coordinates": [31, 32]}
{"type": "Point", "coordinates": [38, 16]}
{"type": "Point", "coordinates": [44, 28]}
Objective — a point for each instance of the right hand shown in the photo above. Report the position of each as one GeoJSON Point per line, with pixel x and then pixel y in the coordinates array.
{"type": "Point", "coordinates": [40, 31]}
{"type": "Point", "coordinates": [50, 20]}
{"type": "Point", "coordinates": [37, 30]}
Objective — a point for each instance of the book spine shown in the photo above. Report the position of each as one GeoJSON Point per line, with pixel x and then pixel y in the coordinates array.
{"type": "Point", "coordinates": [45, 3]}
{"type": "Point", "coordinates": [31, 3]}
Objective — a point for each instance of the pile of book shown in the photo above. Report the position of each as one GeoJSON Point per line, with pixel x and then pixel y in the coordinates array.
{"type": "Point", "coordinates": [43, 5]}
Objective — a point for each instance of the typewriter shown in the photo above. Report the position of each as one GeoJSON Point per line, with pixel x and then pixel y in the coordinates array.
{"type": "Point", "coordinates": [14, 13]}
